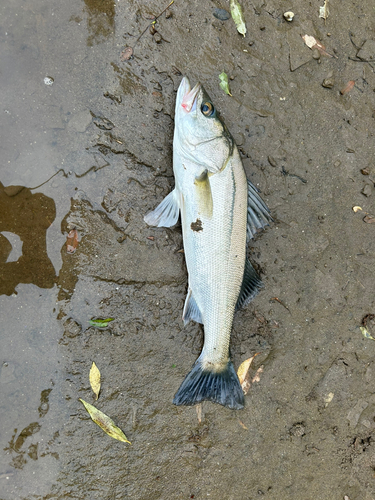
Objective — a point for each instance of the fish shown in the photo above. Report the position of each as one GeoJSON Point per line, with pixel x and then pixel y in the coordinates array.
{"type": "Point", "coordinates": [220, 212]}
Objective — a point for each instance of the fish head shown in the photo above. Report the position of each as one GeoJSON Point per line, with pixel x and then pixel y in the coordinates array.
{"type": "Point", "coordinates": [200, 134]}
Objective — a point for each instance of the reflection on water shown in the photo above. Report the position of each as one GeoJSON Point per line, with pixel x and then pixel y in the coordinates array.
{"type": "Point", "coordinates": [101, 20]}
{"type": "Point", "coordinates": [28, 216]}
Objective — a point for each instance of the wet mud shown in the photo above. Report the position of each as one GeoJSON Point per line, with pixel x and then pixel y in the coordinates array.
{"type": "Point", "coordinates": [87, 144]}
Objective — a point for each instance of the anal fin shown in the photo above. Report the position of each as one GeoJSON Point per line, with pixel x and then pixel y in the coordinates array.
{"type": "Point", "coordinates": [166, 213]}
{"type": "Point", "coordinates": [251, 284]}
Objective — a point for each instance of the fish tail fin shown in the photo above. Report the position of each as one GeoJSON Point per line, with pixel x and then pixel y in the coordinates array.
{"type": "Point", "coordinates": [201, 384]}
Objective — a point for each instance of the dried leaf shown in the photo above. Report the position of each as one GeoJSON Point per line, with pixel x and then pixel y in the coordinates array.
{"type": "Point", "coordinates": [348, 87]}
{"type": "Point", "coordinates": [370, 219]}
{"type": "Point", "coordinates": [106, 423]}
{"type": "Point", "coordinates": [357, 209]}
{"type": "Point", "coordinates": [224, 83]}
{"type": "Point", "coordinates": [72, 241]}
{"type": "Point", "coordinates": [100, 322]}
{"type": "Point", "coordinates": [313, 43]}
{"type": "Point", "coordinates": [242, 373]}
{"type": "Point", "coordinates": [237, 15]}
{"type": "Point", "coordinates": [126, 54]}
{"type": "Point", "coordinates": [95, 379]}
{"type": "Point", "coordinates": [243, 425]}
{"type": "Point", "coordinates": [323, 11]}
{"type": "Point", "coordinates": [366, 333]}
{"type": "Point", "coordinates": [257, 374]}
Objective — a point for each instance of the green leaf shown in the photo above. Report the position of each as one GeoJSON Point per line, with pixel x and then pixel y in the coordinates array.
{"type": "Point", "coordinates": [100, 322]}
{"type": "Point", "coordinates": [237, 15]}
{"type": "Point", "coordinates": [106, 423]}
{"type": "Point", "coordinates": [224, 84]}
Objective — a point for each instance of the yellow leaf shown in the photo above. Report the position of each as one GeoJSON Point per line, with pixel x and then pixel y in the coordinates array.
{"type": "Point", "coordinates": [106, 423]}
{"type": "Point", "coordinates": [95, 379]}
{"type": "Point", "coordinates": [244, 368]}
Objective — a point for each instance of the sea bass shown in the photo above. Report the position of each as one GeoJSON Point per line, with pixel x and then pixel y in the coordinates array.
{"type": "Point", "coordinates": [220, 211]}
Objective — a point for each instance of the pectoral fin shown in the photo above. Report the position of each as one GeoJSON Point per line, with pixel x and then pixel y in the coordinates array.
{"type": "Point", "coordinates": [204, 195]}
{"type": "Point", "coordinates": [251, 284]}
{"type": "Point", "coordinates": [166, 213]}
{"type": "Point", "coordinates": [258, 214]}
{"type": "Point", "coordinates": [191, 310]}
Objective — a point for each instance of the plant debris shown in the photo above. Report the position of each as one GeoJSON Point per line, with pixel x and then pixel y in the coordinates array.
{"type": "Point", "coordinates": [313, 43]}
{"type": "Point", "coordinates": [288, 16]}
{"type": "Point", "coordinates": [104, 422]}
{"type": "Point", "coordinates": [357, 209]}
{"type": "Point", "coordinates": [323, 11]}
{"type": "Point", "coordinates": [224, 83]}
{"type": "Point", "coordinates": [72, 241]}
{"type": "Point", "coordinates": [100, 322]}
{"type": "Point", "coordinates": [237, 15]}
{"type": "Point", "coordinates": [95, 379]}
{"type": "Point", "coordinates": [366, 333]}
{"type": "Point", "coordinates": [243, 372]}
{"type": "Point", "coordinates": [348, 87]}
{"type": "Point", "coordinates": [369, 219]}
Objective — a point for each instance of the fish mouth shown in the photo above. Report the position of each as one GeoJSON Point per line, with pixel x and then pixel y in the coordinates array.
{"type": "Point", "coordinates": [189, 95]}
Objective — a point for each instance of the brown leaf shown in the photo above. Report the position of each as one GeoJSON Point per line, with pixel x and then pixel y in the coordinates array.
{"type": "Point", "coordinates": [243, 425]}
{"type": "Point", "coordinates": [72, 241]}
{"type": "Point", "coordinates": [257, 374]}
{"type": "Point", "coordinates": [126, 54]}
{"type": "Point", "coordinates": [370, 219]}
{"type": "Point", "coordinates": [348, 87]}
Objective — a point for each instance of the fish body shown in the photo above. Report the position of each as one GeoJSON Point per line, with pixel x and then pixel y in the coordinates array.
{"type": "Point", "coordinates": [219, 210]}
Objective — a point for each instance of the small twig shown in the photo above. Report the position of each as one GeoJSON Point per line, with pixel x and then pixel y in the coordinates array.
{"type": "Point", "coordinates": [282, 303]}
{"type": "Point", "coordinates": [152, 24]}
{"type": "Point", "coordinates": [286, 173]}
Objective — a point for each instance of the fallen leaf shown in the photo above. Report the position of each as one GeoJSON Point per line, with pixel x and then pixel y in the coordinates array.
{"type": "Point", "coordinates": [323, 11]}
{"type": "Point", "coordinates": [100, 322]}
{"type": "Point", "coordinates": [257, 374]}
{"type": "Point", "coordinates": [199, 412]}
{"type": "Point", "coordinates": [237, 15]}
{"type": "Point", "coordinates": [366, 333]}
{"type": "Point", "coordinates": [357, 209]}
{"type": "Point", "coordinates": [242, 373]}
{"type": "Point", "coordinates": [313, 43]}
{"type": "Point", "coordinates": [370, 219]}
{"type": "Point", "coordinates": [126, 54]}
{"type": "Point", "coordinates": [106, 423]}
{"type": "Point", "coordinates": [72, 241]}
{"type": "Point", "coordinates": [95, 379]}
{"type": "Point", "coordinates": [243, 425]}
{"type": "Point", "coordinates": [224, 83]}
{"type": "Point", "coordinates": [348, 87]}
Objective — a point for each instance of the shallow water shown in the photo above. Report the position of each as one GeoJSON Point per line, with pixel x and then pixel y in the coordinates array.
{"type": "Point", "coordinates": [94, 151]}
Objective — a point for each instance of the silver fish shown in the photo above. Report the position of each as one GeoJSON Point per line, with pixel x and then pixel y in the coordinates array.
{"type": "Point", "coordinates": [220, 211]}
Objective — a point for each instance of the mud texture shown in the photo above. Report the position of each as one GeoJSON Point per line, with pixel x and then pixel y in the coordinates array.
{"type": "Point", "coordinates": [90, 148]}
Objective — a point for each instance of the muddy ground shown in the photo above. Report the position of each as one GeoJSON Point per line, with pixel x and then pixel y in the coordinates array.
{"type": "Point", "coordinates": [94, 151]}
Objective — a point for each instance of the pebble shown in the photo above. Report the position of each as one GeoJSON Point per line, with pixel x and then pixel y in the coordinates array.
{"type": "Point", "coordinates": [221, 14]}
{"type": "Point", "coordinates": [367, 190]}
{"type": "Point", "coordinates": [328, 83]}
{"type": "Point", "coordinates": [157, 37]}
{"type": "Point", "coordinates": [316, 54]}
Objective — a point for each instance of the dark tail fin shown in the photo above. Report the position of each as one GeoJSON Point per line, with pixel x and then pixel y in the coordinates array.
{"type": "Point", "coordinates": [219, 387]}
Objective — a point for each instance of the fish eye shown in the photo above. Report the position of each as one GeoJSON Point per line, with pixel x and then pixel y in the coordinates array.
{"type": "Point", "coordinates": [207, 109]}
